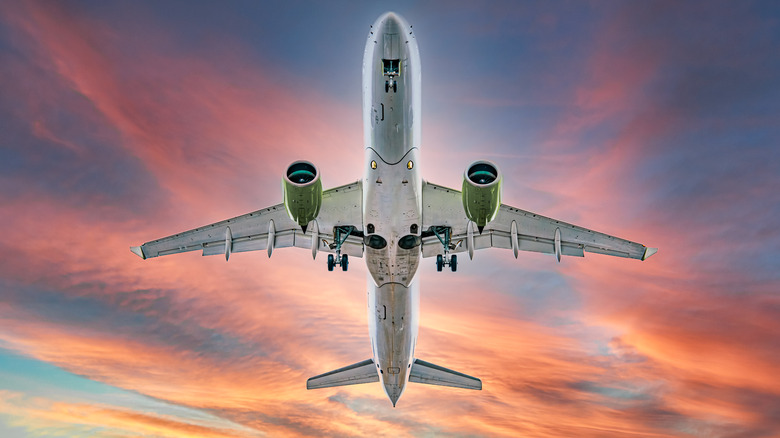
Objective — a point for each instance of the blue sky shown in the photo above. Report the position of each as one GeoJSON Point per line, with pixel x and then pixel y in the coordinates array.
{"type": "Point", "coordinates": [654, 121]}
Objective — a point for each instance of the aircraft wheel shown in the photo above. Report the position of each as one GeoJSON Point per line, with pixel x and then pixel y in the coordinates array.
{"type": "Point", "coordinates": [395, 86]}
{"type": "Point", "coordinates": [331, 263]}
{"type": "Point", "coordinates": [344, 262]}
{"type": "Point", "coordinates": [454, 263]}
{"type": "Point", "coordinates": [387, 86]}
{"type": "Point", "coordinates": [439, 262]}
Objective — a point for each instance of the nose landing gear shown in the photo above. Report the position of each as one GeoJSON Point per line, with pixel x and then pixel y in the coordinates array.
{"type": "Point", "coordinates": [391, 84]}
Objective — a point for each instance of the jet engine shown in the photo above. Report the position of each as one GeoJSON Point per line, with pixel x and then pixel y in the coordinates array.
{"type": "Point", "coordinates": [481, 192]}
{"type": "Point", "coordinates": [302, 189]}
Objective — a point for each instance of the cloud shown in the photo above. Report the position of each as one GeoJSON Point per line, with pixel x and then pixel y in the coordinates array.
{"type": "Point", "coordinates": [199, 130]}
{"type": "Point", "coordinates": [125, 132]}
{"type": "Point", "coordinates": [40, 416]}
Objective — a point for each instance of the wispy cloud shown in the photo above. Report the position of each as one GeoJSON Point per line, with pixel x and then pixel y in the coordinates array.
{"type": "Point", "coordinates": [120, 131]}
{"type": "Point", "coordinates": [39, 416]}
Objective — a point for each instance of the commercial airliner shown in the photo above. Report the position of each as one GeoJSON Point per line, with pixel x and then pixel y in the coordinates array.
{"type": "Point", "coordinates": [393, 218]}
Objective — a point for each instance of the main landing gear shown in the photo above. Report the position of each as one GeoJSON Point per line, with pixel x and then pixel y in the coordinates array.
{"type": "Point", "coordinates": [441, 263]}
{"type": "Point", "coordinates": [444, 235]}
{"type": "Point", "coordinates": [340, 234]}
{"type": "Point", "coordinates": [333, 261]}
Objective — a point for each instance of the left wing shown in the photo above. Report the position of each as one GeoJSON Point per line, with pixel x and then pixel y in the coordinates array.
{"type": "Point", "coordinates": [253, 231]}
{"type": "Point", "coordinates": [515, 229]}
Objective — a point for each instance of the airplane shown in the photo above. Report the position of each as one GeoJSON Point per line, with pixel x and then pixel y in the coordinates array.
{"type": "Point", "coordinates": [393, 219]}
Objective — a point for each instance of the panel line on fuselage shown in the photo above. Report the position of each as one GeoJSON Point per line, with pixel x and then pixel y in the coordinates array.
{"type": "Point", "coordinates": [413, 149]}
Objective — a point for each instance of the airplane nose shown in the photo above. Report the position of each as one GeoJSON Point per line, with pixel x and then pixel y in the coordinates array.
{"type": "Point", "coordinates": [390, 30]}
{"type": "Point", "coordinates": [390, 22]}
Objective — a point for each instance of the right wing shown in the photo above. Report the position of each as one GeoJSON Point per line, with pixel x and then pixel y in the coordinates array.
{"type": "Point", "coordinates": [250, 232]}
{"type": "Point", "coordinates": [443, 206]}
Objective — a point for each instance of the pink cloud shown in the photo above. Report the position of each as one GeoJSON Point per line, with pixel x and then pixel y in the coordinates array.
{"type": "Point", "coordinates": [201, 131]}
{"type": "Point", "coordinates": [203, 135]}
{"type": "Point", "coordinates": [39, 416]}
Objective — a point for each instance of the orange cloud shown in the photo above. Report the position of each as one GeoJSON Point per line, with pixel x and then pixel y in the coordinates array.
{"type": "Point", "coordinates": [40, 416]}
{"type": "Point", "coordinates": [527, 368]}
{"type": "Point", "coordinates": [239, 339]}
{"type": "Point", "coordinates": [201, 131]}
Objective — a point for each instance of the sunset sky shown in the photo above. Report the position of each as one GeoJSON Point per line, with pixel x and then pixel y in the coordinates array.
{"type": "Point", "coordinates": [122, 122]}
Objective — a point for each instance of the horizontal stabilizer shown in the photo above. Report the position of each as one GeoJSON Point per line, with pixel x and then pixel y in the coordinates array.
{"type": "Point", "coordinates": [361, 372]}
{"type": "Point", "coordinates": [426, 372]}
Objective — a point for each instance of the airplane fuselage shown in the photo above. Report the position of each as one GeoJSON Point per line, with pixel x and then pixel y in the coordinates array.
{"type": "Point", "coordinates": [392, 196]}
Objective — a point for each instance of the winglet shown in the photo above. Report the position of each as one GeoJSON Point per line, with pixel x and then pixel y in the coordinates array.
{"type": "Point", "coordinates": [648, 253]}
{"type": "Point", "coordinates": [138, 251]}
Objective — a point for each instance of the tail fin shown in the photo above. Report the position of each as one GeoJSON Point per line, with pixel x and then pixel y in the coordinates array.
{"type": "Point", "coordinates": [361, 372]}
{"type": "Point", "coordinates": [426, 372]}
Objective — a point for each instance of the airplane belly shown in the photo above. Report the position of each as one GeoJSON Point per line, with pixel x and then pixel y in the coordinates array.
{"type": "Point", "coordinates": [393, 325]}
{"type": "Point", "coordinates": [392, 188]}
{"type": "Point", "coordinates": [392, 221]}
{"type": "Point", "coordinates": [392, 196]}
{"type": "Point", "coordinates": [391, 91]}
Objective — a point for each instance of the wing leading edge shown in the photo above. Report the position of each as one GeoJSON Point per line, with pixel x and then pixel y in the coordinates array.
{"type": "Point", "coordinates": [516, 229]}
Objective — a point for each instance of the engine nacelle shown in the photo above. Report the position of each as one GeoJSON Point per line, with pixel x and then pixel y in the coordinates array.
{"type": "Point", "coordinates": [481, 192]}
{"type": "Point", "coordinates": [302, 189]}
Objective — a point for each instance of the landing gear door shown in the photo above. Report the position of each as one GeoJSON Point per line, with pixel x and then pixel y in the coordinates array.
{"type": "Point", "coordinates": [392, 48]}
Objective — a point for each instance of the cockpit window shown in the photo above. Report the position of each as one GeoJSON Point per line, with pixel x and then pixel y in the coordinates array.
{"type": "Point", "coordinates": [376, 242]}
{"type": "Point", "coordinates": [391, 67]}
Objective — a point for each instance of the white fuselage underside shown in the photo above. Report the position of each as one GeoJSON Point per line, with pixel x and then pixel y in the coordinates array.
{"type": "Point", "coordinates": [392, 196]}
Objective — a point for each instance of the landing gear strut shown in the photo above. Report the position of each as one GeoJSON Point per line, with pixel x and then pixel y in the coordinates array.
{"type": "Point", "coordinates": [340, 235]}
{"type": "Point", "coordinates": [444, 235]}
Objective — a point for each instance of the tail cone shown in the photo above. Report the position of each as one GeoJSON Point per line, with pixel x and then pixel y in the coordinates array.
{"type": "Point", "coordinates": [393, 392]}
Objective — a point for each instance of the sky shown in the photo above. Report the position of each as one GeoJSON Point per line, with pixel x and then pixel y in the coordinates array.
{"type": "Point", "coordinates": [122, 122]}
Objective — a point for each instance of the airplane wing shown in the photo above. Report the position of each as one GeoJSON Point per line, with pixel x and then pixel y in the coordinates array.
{"type": "Point", "coordinates": [515, 229]}
{"type": "Point", "coordinates": [253, 231]}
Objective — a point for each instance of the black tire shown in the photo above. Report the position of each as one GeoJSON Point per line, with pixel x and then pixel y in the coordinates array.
{"type": "Point", "coordinates": [395, 86]}
{"type": "Point", "coordinates": [331, 263]}
{"type": "Point", "coordinates": [387, 86]}
{"type": "Point", "coordinates": [344, 262]}
{"type": "Point", "coordinates": [439, 262]}
{"type": "Point", "coordinates": [454, 263]}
